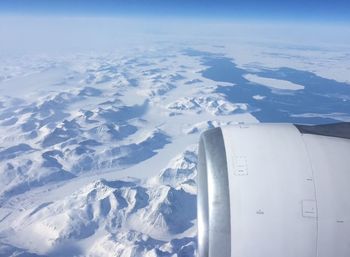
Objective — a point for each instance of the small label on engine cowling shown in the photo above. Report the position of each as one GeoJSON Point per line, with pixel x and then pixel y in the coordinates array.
{"type": "Point", "coordinates": [240, 165]}
{"type": "Point", "coordinates": [309, 209]}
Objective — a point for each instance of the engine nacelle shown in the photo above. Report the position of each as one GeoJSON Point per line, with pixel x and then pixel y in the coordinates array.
{"type": "Point", "coordinates": [274, 190]}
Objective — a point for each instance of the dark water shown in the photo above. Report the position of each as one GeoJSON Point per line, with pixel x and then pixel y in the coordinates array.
{"type": "Point", "coordinates": [320, 95]}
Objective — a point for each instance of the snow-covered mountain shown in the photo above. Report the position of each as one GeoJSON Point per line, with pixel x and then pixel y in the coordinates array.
{"type": "Point", "coordinates": [98, 151]}
{"type": "Point", "coordinates": [99, 158]}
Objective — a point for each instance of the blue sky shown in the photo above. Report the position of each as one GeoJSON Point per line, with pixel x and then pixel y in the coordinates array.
{"type": "Point", "coordinates": [323, 10]}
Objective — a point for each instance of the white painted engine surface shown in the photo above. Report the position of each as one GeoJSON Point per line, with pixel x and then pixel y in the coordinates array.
{"type": "Point", "coordinates": [277, 192]}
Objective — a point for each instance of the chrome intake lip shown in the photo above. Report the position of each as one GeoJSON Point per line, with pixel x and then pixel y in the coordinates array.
{"type": "Point", "coordinates": [213, 200]}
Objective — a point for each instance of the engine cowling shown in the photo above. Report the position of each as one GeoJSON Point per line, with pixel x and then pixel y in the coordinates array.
{"type": "Point", "coordinates": [274, 190]}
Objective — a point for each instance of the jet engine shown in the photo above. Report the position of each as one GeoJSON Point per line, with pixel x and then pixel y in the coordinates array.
{"type": "Point", "coordinates": [274, 190]}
